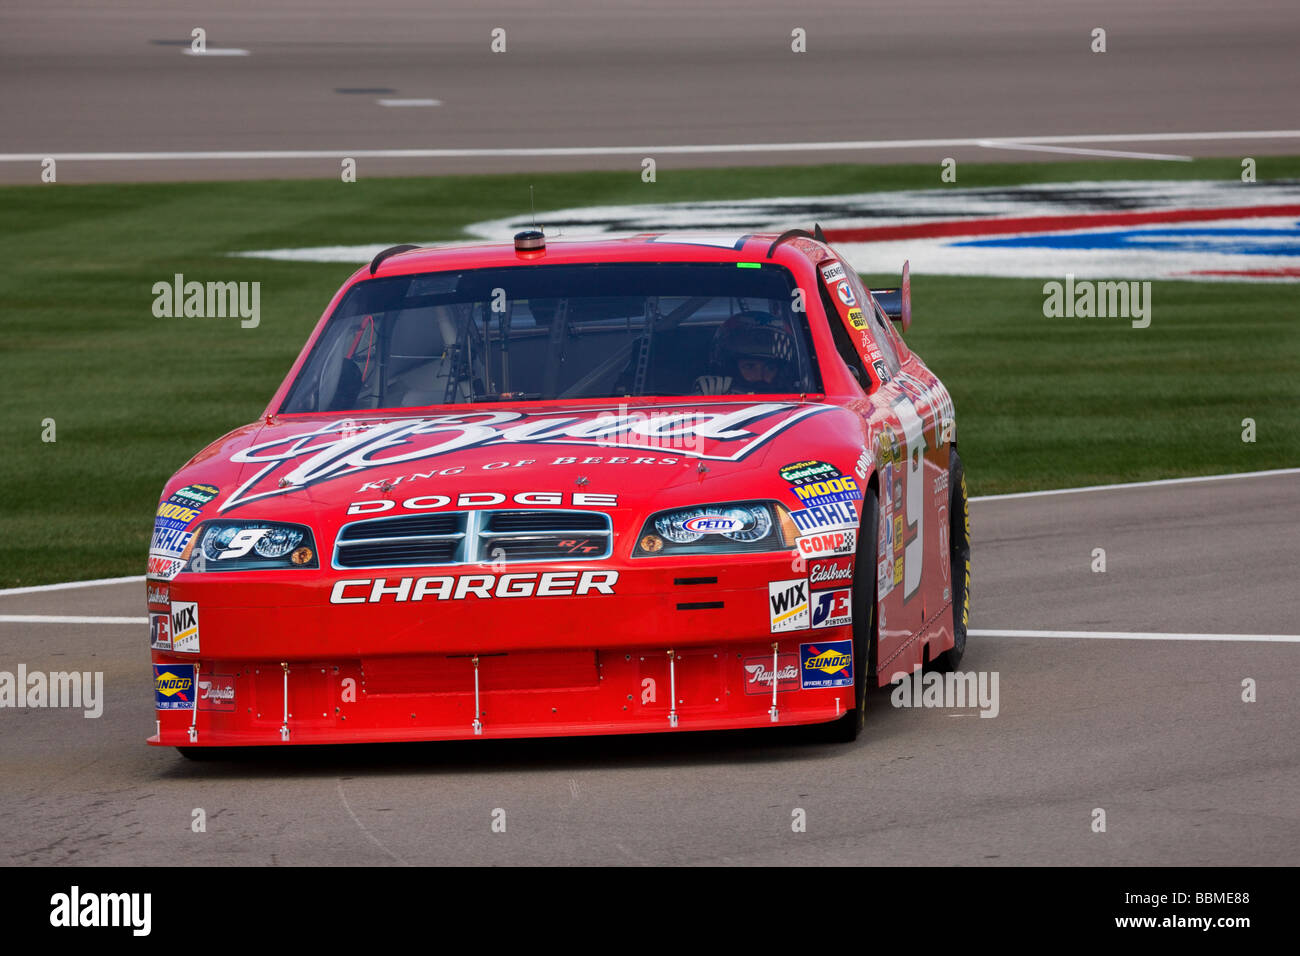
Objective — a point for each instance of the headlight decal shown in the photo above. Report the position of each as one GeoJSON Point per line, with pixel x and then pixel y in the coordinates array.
{"type": "Point", "coordinates": [251, 545]}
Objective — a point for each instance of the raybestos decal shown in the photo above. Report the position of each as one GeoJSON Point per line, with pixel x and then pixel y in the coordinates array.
{"type": "Point", "coordinates": [345, 447]}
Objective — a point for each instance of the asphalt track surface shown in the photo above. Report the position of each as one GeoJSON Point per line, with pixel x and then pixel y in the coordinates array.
{"type": "Point", "coordinates": [116, 77]}
{"type": "Point", "coordinates": [1153, 732]}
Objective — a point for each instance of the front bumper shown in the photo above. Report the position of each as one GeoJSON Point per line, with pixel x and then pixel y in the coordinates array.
{"type": "Point", "coordinates": [686, 647]}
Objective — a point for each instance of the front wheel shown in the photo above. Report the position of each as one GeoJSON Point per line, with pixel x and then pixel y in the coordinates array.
{"type": "Point", "coordinates": [959, 553]}
{"type": "Point", "coordinates": [847, 728]}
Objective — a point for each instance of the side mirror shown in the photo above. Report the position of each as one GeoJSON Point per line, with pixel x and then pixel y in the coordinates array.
{"type": "Point", "coordinates": [897, 303]}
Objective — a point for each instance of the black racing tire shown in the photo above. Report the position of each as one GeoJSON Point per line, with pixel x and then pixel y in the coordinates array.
{"type": "Point", "coordinates": [959, 550]}
{"type": "Point", "coordinates": [847, 728]}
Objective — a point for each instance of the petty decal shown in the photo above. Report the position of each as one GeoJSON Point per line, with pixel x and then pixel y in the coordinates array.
{"type": "Point", "coordinates": [759, 675]}
{"type": "Point", "coordinates": [842, 514]}
{"type": "Point", "coordinates": [828, 573]}
{"type": "Point", "coordinates": [459, 587]}
{"type": "Point", "coordinates": [828, 542]}
{"type": "Point", "coordinates": [194, 496]}
{"type": "Point", "coordinates": [826, 664]}
{"type": "Point", "coordinates": [845, 292]}
{"type": "Point", "coordinates": [788, 603]}
{"type": "Point", "coordinates": [832, 608]}
{"type": "Point", "coordinates": [160, 632]}
{"type": "Point", "coordinates": [799, 472]}
{"type": "Point", "coordinates": [299, 460]}
{"type": "Point", "coordinates": [712, 524]}
{"type": "Point", "coordinates": [173, 686]}
{"type": "Point", "coordinates": [483, 499]}
{"type": "Point", "coordinates": [828, 491]}
{"type": "Point", "coordinates": [216, 692]}
{"type": "Point", "coordinates": [185, 627]}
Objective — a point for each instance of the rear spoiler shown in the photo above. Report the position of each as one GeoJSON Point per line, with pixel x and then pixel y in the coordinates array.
{"type": "Point", "coordinates": [897, 303]}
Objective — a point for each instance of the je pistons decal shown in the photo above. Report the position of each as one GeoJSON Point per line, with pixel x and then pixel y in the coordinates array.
{"type": "Point", "coordinates": [832, 608]}
{"type": "Point", "coordinates": [826, 664]}
{"type": "Point", "coordinates": [301, 459]}
{"type": "Point", "coordinates": [173, 686]}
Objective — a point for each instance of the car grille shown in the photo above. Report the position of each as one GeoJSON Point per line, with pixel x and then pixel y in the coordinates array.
{"type": "Point", "coordinates": [474, 537]}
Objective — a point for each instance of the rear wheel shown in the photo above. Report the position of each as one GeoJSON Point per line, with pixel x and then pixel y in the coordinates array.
{"type": "Point", "coordinates": [959, 553]}
{"type": "Point", "coordinates": [847, 728]}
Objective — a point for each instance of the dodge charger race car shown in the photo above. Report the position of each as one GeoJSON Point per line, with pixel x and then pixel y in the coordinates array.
{"type": "Point", "coordinates": [665, 482]}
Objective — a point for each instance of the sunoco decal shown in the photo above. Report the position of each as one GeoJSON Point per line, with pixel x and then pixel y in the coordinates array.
{"type": "Point", "coordinates": [173, 686]}
{"type": "Point", "coordinates": [826, 664]}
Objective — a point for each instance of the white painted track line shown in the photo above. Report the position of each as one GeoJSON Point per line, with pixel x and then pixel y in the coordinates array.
{"type": "Point", "coordinates": [815, 147]}
{"type": "Point", "coordinates": [1140, 636]}
{"type": "Point", "coordinates": [37, 588]}
{"type": "Point", "coordinates": [1080, 151]}
{"type": "Point", "coordinates": [67, 619]}
{"type": "Point", "coordinates": [1139, 484]}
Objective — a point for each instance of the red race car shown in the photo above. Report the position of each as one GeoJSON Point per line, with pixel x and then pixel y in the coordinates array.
{"type": "Point", "coordinates": [668, 482]}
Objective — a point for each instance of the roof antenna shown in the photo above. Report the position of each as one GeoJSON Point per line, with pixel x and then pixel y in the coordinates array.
{"type": "Point", "coordinates": [532, 205]}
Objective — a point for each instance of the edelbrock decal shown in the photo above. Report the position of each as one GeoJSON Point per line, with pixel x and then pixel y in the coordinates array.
{"type": "Point", "coordinates": [345, 447]}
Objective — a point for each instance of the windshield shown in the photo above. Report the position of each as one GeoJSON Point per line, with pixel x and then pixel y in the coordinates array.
{"type": "Point", "coordinates": [554, 332]}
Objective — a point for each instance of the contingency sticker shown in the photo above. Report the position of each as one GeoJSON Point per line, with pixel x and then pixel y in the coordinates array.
{"type": "Point", "coordinates": [173, 686]}
{"type": "Point", "coordinates": [788, 604]}
{"type": "Point", "coordinates": [185, 627]}
{"type": "Point", "coordinates": [826, 664]}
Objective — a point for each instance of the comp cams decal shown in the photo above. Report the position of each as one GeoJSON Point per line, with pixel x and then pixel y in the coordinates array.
{"type": "Point", "coordinates": [828, 542]}
{"type": "Point", "coordinates": [302, 459]}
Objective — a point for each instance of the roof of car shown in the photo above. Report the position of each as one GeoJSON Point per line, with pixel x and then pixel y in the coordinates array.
{"type": "Point", "coordinates": [644, 247]}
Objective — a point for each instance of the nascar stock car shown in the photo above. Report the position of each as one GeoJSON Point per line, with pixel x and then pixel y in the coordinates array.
{"type": "Point", "coordinates": [665, 482]}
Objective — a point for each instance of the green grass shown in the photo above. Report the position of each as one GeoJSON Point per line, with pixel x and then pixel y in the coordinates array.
{"type": "Point", "coordinates": [1041, 402]}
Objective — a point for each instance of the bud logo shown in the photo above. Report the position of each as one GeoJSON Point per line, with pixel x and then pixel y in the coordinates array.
{"type": "Point", "coordinates": [829, 542]}
{"type": "Point", "coordinates": [185, 627]}
{"type": "Point", "coordinates": [828, 664]}
{"type": "Point", "coordinates": [830, 491]}
{"type": "Point", "coordinates": [173, 686]}
{"type": "Point", "coordinates": [788, 603]}
{"type": "Point", "coordinates": [832, 608]}
{"type": "Point", "coordinates": [301, 459]}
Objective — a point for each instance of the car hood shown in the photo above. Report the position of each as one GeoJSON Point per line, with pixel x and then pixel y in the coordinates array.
{"type": "Point", "coordinates": [305, 468]}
